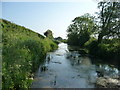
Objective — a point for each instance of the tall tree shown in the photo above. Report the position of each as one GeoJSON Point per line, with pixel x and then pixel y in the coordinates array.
{"type": "Point", "coordinates": [109, 20]}
{"type": "Point", "coordinates": [80, 30]}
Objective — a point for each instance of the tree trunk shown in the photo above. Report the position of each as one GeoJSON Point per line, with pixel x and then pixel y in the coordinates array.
{"type": "Point", "coordinates": [100, 38]}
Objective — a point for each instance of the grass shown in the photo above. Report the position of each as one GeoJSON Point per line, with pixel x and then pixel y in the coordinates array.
{"type": "Point", "coordinates": [22, 52]}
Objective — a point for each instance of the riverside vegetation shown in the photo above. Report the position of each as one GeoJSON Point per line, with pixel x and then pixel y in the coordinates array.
{"type": "Point", "coordinates": [99, 35]}
{"type": "Point", "coordinates": [23, 51]}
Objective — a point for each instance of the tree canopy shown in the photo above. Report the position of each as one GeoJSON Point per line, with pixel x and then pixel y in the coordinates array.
{"type": "Point", "coordinates": [109, 16]}
{"type": "Point", "coordinates": [49, 34]}
{"type": "Point", "coordinates": [80, 30]}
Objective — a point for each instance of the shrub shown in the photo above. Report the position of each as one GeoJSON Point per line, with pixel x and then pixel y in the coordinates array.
{"type": "Point", "coordinates": [93, 47]}
{"type": "Point", "coordinates": [87, 44]}
{"type": "Point", "coordinates": [107, 51]}
{"type": "Point", "coordinates": [23, 51]}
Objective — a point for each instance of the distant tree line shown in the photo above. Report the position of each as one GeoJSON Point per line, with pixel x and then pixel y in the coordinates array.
{"type": "Point", "coordinates": [57, 40]}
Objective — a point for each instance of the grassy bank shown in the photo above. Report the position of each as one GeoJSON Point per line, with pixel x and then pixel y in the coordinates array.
{"type": "Point", "coordinates": [23, 51]}
{"type": "Point", "coordinates": [108, 50]}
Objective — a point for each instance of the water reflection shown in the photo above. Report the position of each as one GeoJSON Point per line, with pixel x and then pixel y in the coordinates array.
{"type": "Point", "coordinates": [63, 67]}
{"type": "Point", "coordinates": [102, 70]}
{"type": "Point", "coordinates": [107, 71]}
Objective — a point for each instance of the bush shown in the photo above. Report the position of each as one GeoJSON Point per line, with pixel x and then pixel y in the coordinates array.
{"type": "Point", "coordinates": [108, 51]}
{"type": "Point", "coordinates": [16, 68]}
{"type": "Point", "coordinates": [93, 47]}
{"type": "Point", "coordinates": [87, 44]}
{"type": "Point", "coordinates": [23, 51]}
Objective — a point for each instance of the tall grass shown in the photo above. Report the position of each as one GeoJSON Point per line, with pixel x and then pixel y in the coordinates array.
{"type": "Point", "coordinates": [23, 51]}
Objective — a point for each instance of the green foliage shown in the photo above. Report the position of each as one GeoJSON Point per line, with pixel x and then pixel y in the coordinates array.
{"type": "Point", "coordinates": [49, 34]}
{"type": "Point", "coordinates": [87, 44]}
{"type": "Point", "coordinates": [106, 50]}
{"type": "Point", "coordinates": [108, 45]}
{"type": "Point", "coordinates": [93, 47]}
{"type": "Point", "coordinates": [49, 45]}
{"type": "Point", "coordinates": [59, 40]}
{"type": "Point", "coordinates": [84, 29]}
{"type": "Point", "coordinates": [80, 30]}
{"type": "Point", "coordinates": [83, 38]}
{"type": "Point", "coordinates": [109, 16]}
{"type": "Point", "coordinates": [64, 41]}
{"type": "Point", "coordinates": [73, 39]}
{"type": "Point", "coordinates": [23, 51]}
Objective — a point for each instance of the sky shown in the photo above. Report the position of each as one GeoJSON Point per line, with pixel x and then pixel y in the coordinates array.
{"type": "Point", "coordinates": [41, 16]}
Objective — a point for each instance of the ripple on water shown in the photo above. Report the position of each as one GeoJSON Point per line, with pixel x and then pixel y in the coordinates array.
{"type": "Point", "coordinates": [67, 70]}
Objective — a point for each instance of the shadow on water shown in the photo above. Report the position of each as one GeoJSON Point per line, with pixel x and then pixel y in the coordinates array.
{"type": "Point", "coordinates": [63, 67]}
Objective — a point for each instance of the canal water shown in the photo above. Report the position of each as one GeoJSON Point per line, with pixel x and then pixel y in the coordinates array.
{"type": "Point", "coordinates": [69, 69]}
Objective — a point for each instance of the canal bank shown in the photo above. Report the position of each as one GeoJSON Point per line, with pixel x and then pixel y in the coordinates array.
{"type": "Point", "coordinates": [69, 69]}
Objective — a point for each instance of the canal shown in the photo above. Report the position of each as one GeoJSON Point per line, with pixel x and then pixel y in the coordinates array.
{"type": "Point", "coordinates": [69, 69]}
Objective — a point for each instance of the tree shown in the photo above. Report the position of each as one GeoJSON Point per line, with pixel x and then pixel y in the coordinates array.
{"type": "Point", "coordinates": [58, 38]}
{"type": "Point", "coordinates": [80, 30]}
{"type": "Point", "coordinates": [109, 20]}
{"type": "Point", "coordinates": [49, 34]}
